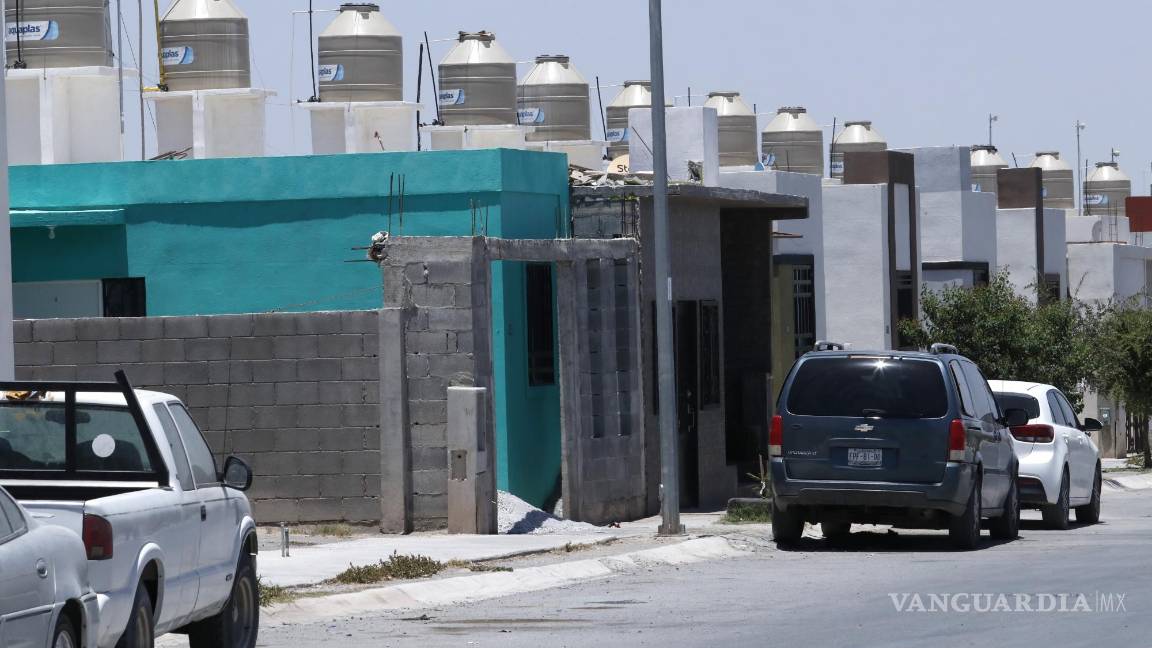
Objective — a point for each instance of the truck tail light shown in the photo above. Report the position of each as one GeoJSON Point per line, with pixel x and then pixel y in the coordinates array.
{"type": "Point", "coordinates": [97, 535]}
{"type": "Point", "coordinates": [1034, 433]}
{"type": "Point", "coordinates": [957, 440]}
{"type": "Point", "coordinates": [776, 437]}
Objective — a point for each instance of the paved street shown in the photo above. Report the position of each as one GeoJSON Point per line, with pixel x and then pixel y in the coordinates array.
{"type": "Point", "coordinates": [813, 596]}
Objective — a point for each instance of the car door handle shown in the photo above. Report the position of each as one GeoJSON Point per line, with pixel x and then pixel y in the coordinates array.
{"type": "Point", "coordinates": [41, 568]}
{"type": "Point", "coordinates": [203, 512]}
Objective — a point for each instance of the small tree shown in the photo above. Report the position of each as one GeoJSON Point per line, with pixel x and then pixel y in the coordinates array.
{"type": "Point", "coordinates": [1009, 337]}
{"type": "Point", "coordinates": [1123, 362]}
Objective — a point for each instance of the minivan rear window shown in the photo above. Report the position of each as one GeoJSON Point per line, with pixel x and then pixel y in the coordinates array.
{"type": "Point", "coordinates": [868, 387]}
{"type": "Point", "coordinates": [1011, 400]}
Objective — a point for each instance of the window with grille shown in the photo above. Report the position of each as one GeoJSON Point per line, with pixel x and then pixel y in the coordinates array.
{"type": "Point", "coordinates": [804, 300]}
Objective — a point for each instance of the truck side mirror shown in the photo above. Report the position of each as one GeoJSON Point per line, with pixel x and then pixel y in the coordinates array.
{"type": "Point", "coordinates": [237, 474]}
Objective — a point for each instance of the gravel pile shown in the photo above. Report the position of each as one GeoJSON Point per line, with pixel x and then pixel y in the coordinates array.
{"type": "Point", "coordinates": [515, 516]}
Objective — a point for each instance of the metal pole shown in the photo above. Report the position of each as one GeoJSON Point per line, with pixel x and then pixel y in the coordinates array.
{"type": "Point", "coordinates": [1079, 179]}
{"type": "Point", "coordinates": [140, 75]}
{"type": "Point", "coordinates": [669, 448]}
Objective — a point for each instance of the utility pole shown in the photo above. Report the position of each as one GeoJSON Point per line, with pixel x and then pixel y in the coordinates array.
{"type": "Point", "coordinates": [1079, 169]}
{"type": "Point", "coordinates": [666, 386]}
{"type": "Point", "coordinates": [991, 118]}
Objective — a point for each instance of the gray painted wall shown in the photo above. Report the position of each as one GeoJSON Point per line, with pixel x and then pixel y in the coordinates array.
{"type": "Point", "coordinates": [295, 395]}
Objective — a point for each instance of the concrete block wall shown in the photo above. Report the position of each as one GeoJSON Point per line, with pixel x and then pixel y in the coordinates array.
{"type": "Point", "coordinates": [436, 330]}
{"type": "Point", "coordinates": [295, 394]}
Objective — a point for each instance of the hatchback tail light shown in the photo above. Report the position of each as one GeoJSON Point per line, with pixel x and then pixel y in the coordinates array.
{"type": "Point", "coordinates": [957, 441]}
{"type": "Point", "coordinates": [776, 437]}
{"type": "Point", "coordinates": [1034, 433]}
{"type": "Point", "coordinates": [97, 537]}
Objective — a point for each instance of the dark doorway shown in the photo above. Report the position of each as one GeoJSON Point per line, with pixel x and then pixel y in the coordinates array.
{"type": "Point", "coordinates": [687, 334]}
{"type": "Point", "coordinates": [125, 297]}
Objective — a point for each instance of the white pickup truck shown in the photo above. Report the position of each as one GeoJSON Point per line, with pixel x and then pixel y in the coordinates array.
{"type": "Point", "coordinates": [170, 539]}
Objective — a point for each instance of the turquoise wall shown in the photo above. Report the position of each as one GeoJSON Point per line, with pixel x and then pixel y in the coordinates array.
{"type": "Point", "coordinates": [261, 234]}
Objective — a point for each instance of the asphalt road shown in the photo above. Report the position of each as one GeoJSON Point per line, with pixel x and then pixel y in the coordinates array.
{"type": "Point", "coordinates": [820, 596]}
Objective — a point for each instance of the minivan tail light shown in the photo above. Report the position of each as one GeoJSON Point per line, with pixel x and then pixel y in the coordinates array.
{"type": "Point", "coordinates": [97, 535]}
{"type": "Point", "coordinates": [1034, 433]}
{"type": "Point", "coordinates": [776, 437]}
{"type": "Point", "coordinates": [957, 440]}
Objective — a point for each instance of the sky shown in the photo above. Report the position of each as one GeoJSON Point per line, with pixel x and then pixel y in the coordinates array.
{"type": "Point", "coordinates": [925, 72]}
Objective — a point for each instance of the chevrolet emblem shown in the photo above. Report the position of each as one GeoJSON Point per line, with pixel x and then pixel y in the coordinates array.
{"type": "Point", "coordinates": [864, 427]}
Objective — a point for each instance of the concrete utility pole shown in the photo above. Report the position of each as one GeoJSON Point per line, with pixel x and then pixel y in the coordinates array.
{"type": "Point", "coordinates": [666, 387]}
{"type": "Point", "coordinates": [1079, 179]}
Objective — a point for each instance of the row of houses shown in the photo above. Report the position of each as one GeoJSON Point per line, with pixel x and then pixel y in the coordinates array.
{"type": "Point", "coordinates": [258, 290]}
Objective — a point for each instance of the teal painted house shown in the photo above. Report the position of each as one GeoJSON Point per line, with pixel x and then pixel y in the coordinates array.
{"type": "Point", "coordinates": [281, 234]}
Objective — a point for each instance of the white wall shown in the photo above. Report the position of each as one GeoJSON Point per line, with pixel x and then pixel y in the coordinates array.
{"type": "Point", "coordinates": [1056, 246]}
{"type": "Point", "coordinates": [1106, 272]}
{"type": "Point", "coordinates": [6, 360]}
{"type": "Point", "coordinates": [856, 279]}
{"type": "Point", "coordinates": [693, 135]}
{"type": "Point", "coordinates": [1016, 249]}
{"type": "Point", "coordinates": [810, 230]}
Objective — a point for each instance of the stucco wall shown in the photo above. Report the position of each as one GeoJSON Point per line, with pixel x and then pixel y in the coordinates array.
{"type": "Point", "coordinates": [855, 237]}
{"type": "Point", "coordinates": [1016, 249]}
{"type": "Point", "coordinates": [260, 234]}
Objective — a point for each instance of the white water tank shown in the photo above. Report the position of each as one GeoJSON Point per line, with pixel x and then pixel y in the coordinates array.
{"type": "Point", "coordinates": [857, 136]}
{"type": "Point", "coordinates": [737, 126]}
{"type": "Point", "coordinates": [361, 56]}
{"type": "Point", "coordinates": [478, 82]}
{"type": "Point", "coordinates": [205, 46]}
{"type": "Point", "coordinates": [1058, 179]}
{"type": "Point", "coordinates": [1107, 190]}
{"type": "Point", "coordinates": [794, 142]}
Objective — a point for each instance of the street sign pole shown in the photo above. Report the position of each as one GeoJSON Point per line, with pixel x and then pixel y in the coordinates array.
{"type": "Point", "coordinates": [666, 387]}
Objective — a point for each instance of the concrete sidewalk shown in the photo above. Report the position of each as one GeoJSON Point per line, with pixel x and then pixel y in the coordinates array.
{"type": "Point", "coordinates": [1128, 480]}
{"type": "Point", "coordinates": [309, 565]}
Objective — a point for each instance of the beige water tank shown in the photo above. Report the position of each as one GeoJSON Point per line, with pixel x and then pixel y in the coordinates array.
{"type": "Point", "coordinates": [857, 136]}
{"type": "Point", "coordinates": [1059, 182]}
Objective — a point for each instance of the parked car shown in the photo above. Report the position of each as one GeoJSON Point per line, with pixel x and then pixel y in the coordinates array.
{"type": "Point", "coordinates": [170, 540]}
{"type": "Point", "coordinates": [45, 599]}
{"type": "Point", "coordinates": [911, 439]}
{"type": "Point", "coordinates": [1059, 462]}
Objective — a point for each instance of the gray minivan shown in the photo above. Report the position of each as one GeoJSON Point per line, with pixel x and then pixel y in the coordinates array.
{"type": "Point", "coordinates": [910, 439]}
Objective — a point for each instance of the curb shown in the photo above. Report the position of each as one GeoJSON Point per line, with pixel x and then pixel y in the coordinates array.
{"type": "Point", "coordinates": [466, 589]}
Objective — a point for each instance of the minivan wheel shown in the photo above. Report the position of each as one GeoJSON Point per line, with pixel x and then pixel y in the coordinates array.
{"type": "Point", "coordinates": [1090, 512]}
{"type": "Point", "coordinates": [787, 525]}
{"type": "Point", "coordinates": [836, 531]}
{"type": "Point", "coordinates": [1056, 515]}
{"type": "Point", "coordinates": [1007, 526]}
{"type": "Point", "coordinates": [964, 529]}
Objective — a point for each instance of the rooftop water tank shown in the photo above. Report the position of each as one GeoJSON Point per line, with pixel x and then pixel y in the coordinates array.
{"type": "Point", "coordinates": [57, 33]}
{"type": "Point", "coordinates": [793, 141]}
{"type": "Point", "coordinates": [857, 136]}
{"type": "Point", "coordinates": [737, 126]}
{"type": "Point", "coordinates": [636, 94]}
{"type": "Point", "coordinates": [361, 56]}
{"type": "Point", "coordinates": [553, 97]}
{"type": "Point", "coordinates": [986, 162]}
{"type": "Point", "coordinates": [478, 82]}
{"type": "Point", "coordinates": [1107, 190]}
{"type": "Point", "coordinates": [204, 46]}
{"type": "Point", "coordinates": [1059, 185]}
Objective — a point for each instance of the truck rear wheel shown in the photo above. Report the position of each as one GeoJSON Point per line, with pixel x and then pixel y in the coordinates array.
{"type": "Point", "coordinates": [140, 632]}
{"type": "Point", "coordinates": [236, 625]}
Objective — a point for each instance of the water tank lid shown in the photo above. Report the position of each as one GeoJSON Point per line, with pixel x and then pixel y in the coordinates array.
{"type": "Point", "coordinates": [553, 58]}
{"type": "Point", "coordinates": [483, 36]}
{"type": "Point", "coordinates": [864, 123]}
{"type": "Point", "coordinates": [1114, 165]}
{"type": "Point", "coordinates": [728, 94]}
{"type": "Point", "coordinates": [795, 110]}
{"type": "Point", "coordinates": [202, 9]}
{"type": "Point", "coordinates": [643, 84]}
{"type": "Point", "coordinates": [1055, 154]}
{"type": "Point", "coordinates": [985, 147]}
{"type": "Point", "coordinates": [360, 6]}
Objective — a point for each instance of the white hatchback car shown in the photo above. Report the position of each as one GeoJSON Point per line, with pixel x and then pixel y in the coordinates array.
{"type": "Point", "coordinates": [45, 599]}
{"type": "Point", "coordinates": [1059, 463]}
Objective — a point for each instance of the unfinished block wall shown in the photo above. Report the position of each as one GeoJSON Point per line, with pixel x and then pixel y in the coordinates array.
{"type": "Point", "coordinates": [295, 394]}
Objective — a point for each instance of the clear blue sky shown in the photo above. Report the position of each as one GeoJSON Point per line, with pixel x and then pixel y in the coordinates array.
{"type": "Point", "coordinates": [925, 72]}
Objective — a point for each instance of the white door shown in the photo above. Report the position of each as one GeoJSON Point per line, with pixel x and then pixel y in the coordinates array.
{"type": "Point", "coordinates": [25, 584]}
{"type": "Point", "coordinates": [1082, 451]}
{"type": "Point", "coordinates": [218, 527]}
{"type": "Point", "coordinates": [181, 580]}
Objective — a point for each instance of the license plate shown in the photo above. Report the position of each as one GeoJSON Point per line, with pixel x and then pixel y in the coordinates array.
{"type": "Point", "coordinates": [865, 457]}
